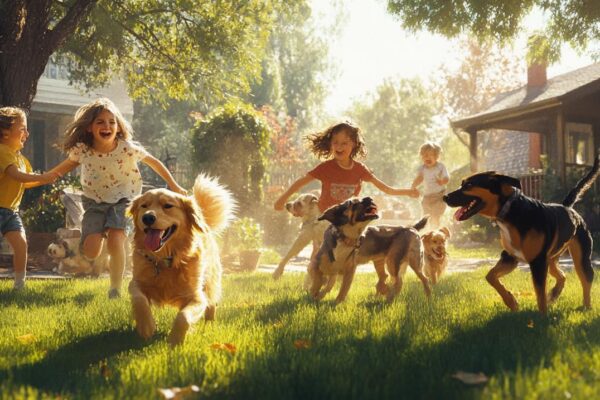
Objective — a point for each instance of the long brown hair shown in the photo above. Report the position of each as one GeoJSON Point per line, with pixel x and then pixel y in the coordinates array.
{"type": "Point", "coordinates": [320, 143]}
{"type": "Point", "coordinates": [77, 131]}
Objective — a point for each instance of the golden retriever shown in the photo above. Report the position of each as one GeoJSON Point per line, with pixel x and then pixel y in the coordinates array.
{"type": "Point", "coordinates": [434, 248]}
{"type": "Point", "coordinates": [175, 255]}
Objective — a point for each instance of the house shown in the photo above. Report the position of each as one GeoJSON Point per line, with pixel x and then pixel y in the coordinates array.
{"type": "Point", "coordinates": [53, 109]}
{"type": "Point", "coordinates": [558, 117]}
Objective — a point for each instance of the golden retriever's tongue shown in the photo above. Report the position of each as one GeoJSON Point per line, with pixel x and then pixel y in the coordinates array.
{"type": "Point", "coordinates": [152, 239]}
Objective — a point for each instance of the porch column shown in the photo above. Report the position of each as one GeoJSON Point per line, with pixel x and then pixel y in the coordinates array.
{"type": "Point", "coordinates": [473, 148]}
{"type": "Point", "coordinates": [560, 146]}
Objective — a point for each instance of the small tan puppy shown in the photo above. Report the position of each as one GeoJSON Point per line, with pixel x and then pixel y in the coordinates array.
{"type": "Point", "coordinates": [175, 254]}
{"type": "Point", "coordinates": [306, 208]}
{"type": "Point", "coordinates": [436, 258]}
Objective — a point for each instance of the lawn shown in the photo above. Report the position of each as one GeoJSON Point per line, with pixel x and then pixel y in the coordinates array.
{"type": "Point", "coordinates": [66, 339]}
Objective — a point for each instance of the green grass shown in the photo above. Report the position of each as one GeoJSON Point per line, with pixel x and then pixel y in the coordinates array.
{"type": "Point", "coordinates": [485, 251]}
{"type": "Point", "coordinates": [84, 346]}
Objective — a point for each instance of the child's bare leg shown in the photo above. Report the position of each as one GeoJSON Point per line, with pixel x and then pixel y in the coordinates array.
{"type": "Point", "coordinates": [116, 250]}
{"type": "Point", "coordinates": [92, 245]}
{"type": "Point", "coordinates": [18, 242]}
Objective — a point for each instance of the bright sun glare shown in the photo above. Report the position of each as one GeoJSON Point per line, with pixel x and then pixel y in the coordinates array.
{"type": "Point", "coordinates": [373, 46]}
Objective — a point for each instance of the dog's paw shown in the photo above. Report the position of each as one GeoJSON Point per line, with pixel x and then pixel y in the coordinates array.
{"type": "Point", "coordinates": [180, 328]}
{"type": "Point", "coordinates": [278, 272]}
{"type": "Point", "coordinates": [146, 329]}
{"type": "Point", "coordinates": [381, 288]}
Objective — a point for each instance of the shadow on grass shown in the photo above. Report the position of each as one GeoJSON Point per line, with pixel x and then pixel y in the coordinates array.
{"type": "Point", "coordinates": [63, 370]}
{"type": "Point", "coordinates": [52, 294]}
{"type": "Point", "coordinates": [344, 365]}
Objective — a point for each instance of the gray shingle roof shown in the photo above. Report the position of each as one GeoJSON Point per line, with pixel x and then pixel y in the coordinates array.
{"type": "Point", "coordinates": [556, 87]}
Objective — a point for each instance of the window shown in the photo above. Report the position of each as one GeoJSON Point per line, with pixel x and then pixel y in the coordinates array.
{"type": "Point", "coordinates": [580, 144]}
{"type": "Point", "coordinates": [56, 69]}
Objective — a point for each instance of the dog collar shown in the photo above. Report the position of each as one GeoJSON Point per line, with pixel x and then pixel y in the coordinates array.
{"type": "Point", "coordinates": [158, 263]}
{"type": "Point", "coordinates": [506, 207]}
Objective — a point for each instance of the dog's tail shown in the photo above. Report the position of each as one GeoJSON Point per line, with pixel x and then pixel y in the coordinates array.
{"type": "Point", "coordinates": [215, 201]}
{"type": "Point", "coordinates": [583, 185]}
{"type": "Point", "coordinates": [421, 224]}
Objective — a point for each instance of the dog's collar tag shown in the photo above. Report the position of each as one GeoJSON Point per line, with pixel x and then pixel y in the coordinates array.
{"type": "Point", "coordinates": [506, 207]}
{"type": "Point", "coordinates": [166, 262]}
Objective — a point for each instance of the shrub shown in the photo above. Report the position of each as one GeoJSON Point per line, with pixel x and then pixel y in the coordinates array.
{"type": "Point", "coordinates": [244, 234]}
{"type": "Point", "coordinates": [42, 209]}
{"type": "Point", "coordinates": [233, 143]}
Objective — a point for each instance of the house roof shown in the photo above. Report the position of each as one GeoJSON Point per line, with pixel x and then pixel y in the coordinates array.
{"type": "Point", "coordinates": [525, 100]}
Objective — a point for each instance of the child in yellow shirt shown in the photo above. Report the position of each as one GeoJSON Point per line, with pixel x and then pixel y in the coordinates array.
{"type": "Point", "coordinates": [15, 177]}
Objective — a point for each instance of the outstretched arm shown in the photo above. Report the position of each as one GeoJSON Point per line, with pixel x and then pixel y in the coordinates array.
{"type": "Point", "coordinates": [393, 191]}
{"type": "Point", "coordinates": [30, 179]}
{"type": "Point", "coordinates": [158, 167]}
{"type": "Point", "coordinates": [300, 183]}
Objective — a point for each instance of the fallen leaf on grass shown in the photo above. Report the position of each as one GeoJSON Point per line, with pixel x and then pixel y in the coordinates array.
{"type": "Point", "coordinates": [28, 338]}
{"type": "Point", "coordinates": [230, 347]}
{"type": "Point", "coordinates": [105, 370]}
{"type": "Point", "coordinates": [530, 324]}
{"type": "Point", "coordinates": [177, 393]}
{"type": "Point", "coordinates": [302, 344]}
{"type": "Point", "coordinates": [470, 378]}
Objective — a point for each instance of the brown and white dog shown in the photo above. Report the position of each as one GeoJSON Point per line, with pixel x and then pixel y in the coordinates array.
{"type": "Point", "coordinates": [530, 231]}
{"type": "Point", "coordinates": [175, 254]}
{"type": "Point", "coordinates": [66, 254]}
{"type": "Point", "coordinates": [349, 242]}
{"type": "Point", "coordinates": [435, 256]}
{"type": "Point", "coordinates": [306, 208]}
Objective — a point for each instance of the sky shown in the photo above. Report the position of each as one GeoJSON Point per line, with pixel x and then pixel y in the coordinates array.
{"type": "Point", "coordinates": [373, 46]}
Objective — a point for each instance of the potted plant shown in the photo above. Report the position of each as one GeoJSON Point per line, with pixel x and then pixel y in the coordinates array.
{"type": "Point", "coordinates": [246, 238]}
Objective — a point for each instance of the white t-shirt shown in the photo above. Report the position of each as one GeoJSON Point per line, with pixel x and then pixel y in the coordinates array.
{"type": "Point", "coordinates": [430, 185]}
{"type": "Point", "coordinates": [109, 177]}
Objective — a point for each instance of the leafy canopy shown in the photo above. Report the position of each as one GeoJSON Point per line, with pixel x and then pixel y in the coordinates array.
{"type": "Point", "coordinates": [177, 49]}
{"type": "Point", "coordinates": [573, 21]}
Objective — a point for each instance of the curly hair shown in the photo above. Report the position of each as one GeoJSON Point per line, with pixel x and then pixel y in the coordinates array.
{"type": "Point", "coordinates": [8, 116]}
{"type": "Point", "coordinates": [320, 143]}
{"type": "Point", "coordinates": [77, 131]}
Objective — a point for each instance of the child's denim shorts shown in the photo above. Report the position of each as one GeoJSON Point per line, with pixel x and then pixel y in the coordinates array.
{"type": "Point", "coordinates": [98, 217]}
{"type": "Point", "coordinates": [10, 221]}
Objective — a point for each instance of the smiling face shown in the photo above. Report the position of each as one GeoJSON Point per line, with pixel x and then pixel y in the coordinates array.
{"type": "Point", "coordinates": [15, 136]}
{"type": "Point", "coordinates": [104, 129]}
{"type": "Point", "coordinates": [480, 194]}
{"type": "Point", "coordinates": [434, 243]}
{"type": "Point", "coordinates": [342, 146]}
{"type": "Point", "coordinates": [162, 218]}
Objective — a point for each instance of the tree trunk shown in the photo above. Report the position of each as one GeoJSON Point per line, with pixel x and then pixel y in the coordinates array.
{"type": "Point", "coordinates": [26, 44]}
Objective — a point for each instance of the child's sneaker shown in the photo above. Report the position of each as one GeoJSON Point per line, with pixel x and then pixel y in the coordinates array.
{"type": "Point", "coordinates": [114, 293]}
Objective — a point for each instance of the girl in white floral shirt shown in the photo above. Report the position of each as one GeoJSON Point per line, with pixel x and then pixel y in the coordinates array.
{"type": "Point", "coordinates": [99, 140]}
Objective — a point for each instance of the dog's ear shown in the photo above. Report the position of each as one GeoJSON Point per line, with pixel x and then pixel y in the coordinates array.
{"type": "Point", "coordinates": [426, 236]}
{"type": "Point", "coordinates": [134, 207]}
{"type": "Point", "coordinates": [314, 199]}
{"type": "Point", "coordinates": [508, 180]}
{"type": "Point", "coordinates": [446, 232]}
{"type": "Point", "coordinates": [335, 214]}
{"type": "Point", "coordinates": [64, 244]}
{"type": "Point", "coordinates": [193, 213]}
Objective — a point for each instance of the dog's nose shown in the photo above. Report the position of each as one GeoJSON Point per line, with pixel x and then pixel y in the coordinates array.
{"type": "Point", "coordinates": [445, 198]}
{"type": "Point", "coordinates": [148, 219]}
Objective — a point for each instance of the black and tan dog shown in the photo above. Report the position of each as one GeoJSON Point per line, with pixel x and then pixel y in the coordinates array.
{"type": "Point", "coordinates": [348, 242]}
{"type": "Point", "coordinates": [530, 231]}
